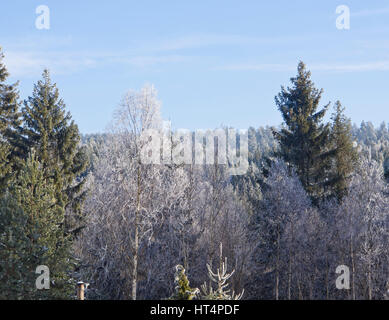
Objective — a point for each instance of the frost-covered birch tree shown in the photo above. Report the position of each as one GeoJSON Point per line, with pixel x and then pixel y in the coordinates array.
{"type": "Point", "coordinates": [285, 206]}
{"type": "Point", "coordinates": [122, 207]}
{"type": "Point", "coordinates": [365, 221]}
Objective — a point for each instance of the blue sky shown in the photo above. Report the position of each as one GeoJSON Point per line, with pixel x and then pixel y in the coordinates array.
{"type": "Point", "coordinates": [213, 62]}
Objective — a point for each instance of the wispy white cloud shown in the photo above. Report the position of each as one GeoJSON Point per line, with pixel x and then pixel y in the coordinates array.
{"type": "Point", "coordinates": [27, 56]}
{"type": "Point", "coordinates": [370, 12]}
{"type": "Point", "coordinates": [256, 67]}
{"type": "Point", "coordinates": [23, 63]}
{"type": "Point", "coordinates": [62, 56]}
{"type": "Point", "coordinates": [332, 67]}
{"type": "Point", "coordinates": [147, 61]}
{"type": "Point", "coordinates": [356, 67]}
{"type": "Point", "coordinates": [208, 40]}
{"type": "Point", "coordinates": [32, 63]}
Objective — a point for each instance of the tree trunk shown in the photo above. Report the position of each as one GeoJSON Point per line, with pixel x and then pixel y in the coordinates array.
{"type": "Point", "coordinates": [300, 291]}
{"type": "Point", "coordinates": [277, 264]}
{"type": "Point", "coordinates": [327, 279]}
{"type": "Point", "coordinates": [352, 269]}
{"type": "Point", "coordinates": [370, 283]}
{"type": "Point", "coordinates": [290, 276]}
{"type": "Point", "coordinates": [136, 241]}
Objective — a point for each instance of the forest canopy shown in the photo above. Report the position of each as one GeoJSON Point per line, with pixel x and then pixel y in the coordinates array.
{"type": "Point", "coordinates": [314, 197]}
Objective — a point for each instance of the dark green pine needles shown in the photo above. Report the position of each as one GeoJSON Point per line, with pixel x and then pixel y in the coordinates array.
{"type": "Point", "coordinates": [52, 134]}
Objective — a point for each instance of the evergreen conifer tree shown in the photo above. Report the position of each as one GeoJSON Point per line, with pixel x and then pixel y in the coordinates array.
{"type": "Point", "coordinates": [345, 155]}
{"type": "Point", "coordinates": [18, 254]}
{"type": "Point", "coordinates": [9, 126]}
{"type": "Point", "coordinates": [31, 234]}
{"type": "Point", "coordinates": [220, 277]}
{"type": "Point", "coordinates": [5, 167]}
{"type": "Point", "coordinates": [304, 140]}
{"type": "Point", "coordinates": [182, 290]}
{"type": "Point", "coordinates": [50, 131]}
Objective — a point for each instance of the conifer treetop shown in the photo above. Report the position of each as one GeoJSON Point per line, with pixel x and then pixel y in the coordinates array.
{"type": "Point", "coordinates": [220, 277]}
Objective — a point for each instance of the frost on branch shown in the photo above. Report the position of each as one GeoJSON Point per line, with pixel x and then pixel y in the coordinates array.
{"type": "Point", "coordinates": [219, 277]}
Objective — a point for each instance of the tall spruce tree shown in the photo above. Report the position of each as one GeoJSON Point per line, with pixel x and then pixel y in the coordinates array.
{"type": "Point", "coordinates": [345, 156]}
{"type": "Point", "coordinates": [5, 167]}
{"type": "Point", "coordinates": [304, 138]}
{"type": "Point", "coordinates": [31, 234]}
{"type": "Point", "coordinates": [50, 131]}
{"type": "Point", "coordinates": [18, 254]}
{"type": "Point", "coordinates": [9, 125]}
